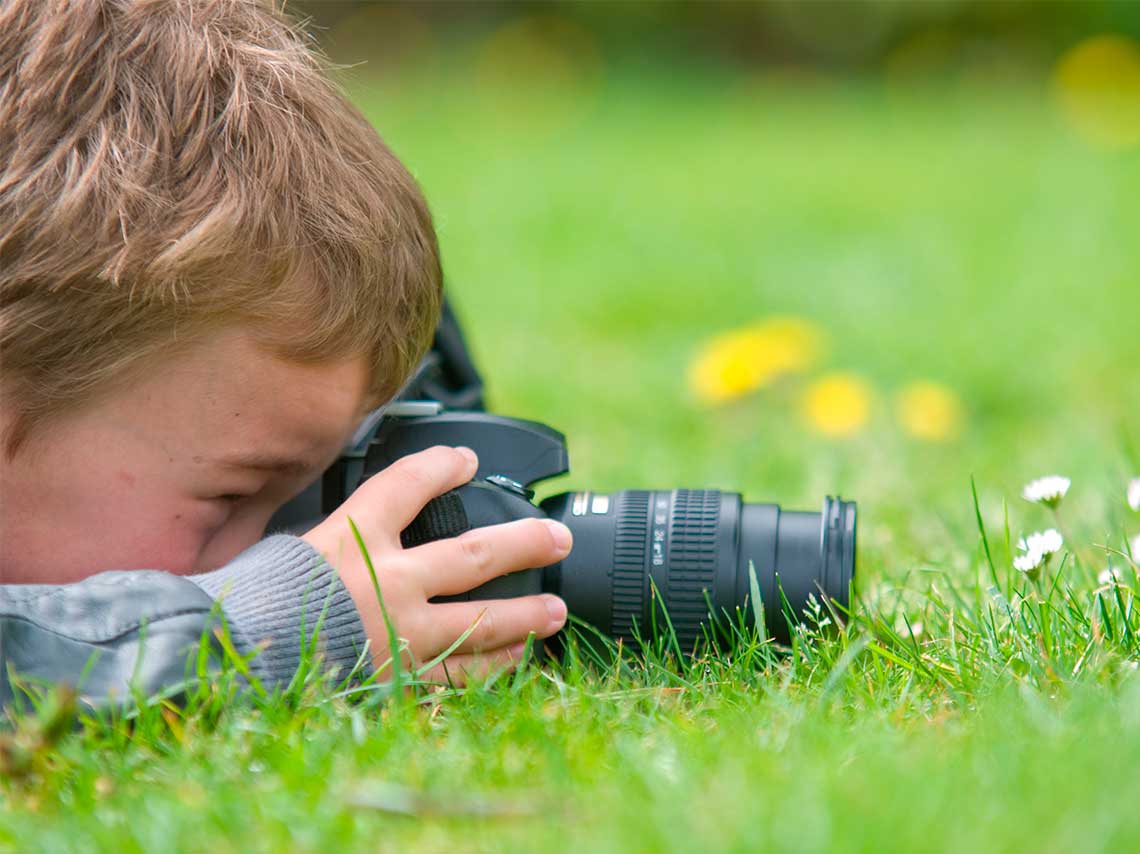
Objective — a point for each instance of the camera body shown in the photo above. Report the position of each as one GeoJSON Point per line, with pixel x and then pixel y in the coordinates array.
{"type": "Point", "coordinates": [643, 561]}
{"type": "Point", "coordinates": [513, 455]}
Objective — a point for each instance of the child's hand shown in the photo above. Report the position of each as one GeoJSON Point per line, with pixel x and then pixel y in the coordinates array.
{"type": "Point", "coordinates": [381, 508]}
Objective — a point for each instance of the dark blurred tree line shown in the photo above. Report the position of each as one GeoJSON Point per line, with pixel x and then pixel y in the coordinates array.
{"type": "Point", "coordinates": [849, 35]}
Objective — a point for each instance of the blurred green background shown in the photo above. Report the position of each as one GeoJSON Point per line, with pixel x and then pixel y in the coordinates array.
{"type": "Point", "coordinates": [786, 250]}
{"type": "Point", "coordinates": [941, 193]}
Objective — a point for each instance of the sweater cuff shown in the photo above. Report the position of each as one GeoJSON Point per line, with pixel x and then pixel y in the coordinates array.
{"type": "Point", "coordinates": [275, 592]}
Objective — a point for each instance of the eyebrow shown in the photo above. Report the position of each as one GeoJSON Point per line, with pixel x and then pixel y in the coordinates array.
{"type": "Point", "coordinates": [291, 466]}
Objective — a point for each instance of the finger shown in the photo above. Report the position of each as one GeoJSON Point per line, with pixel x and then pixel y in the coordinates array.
{"type": "Point", "coordinates": [458, 670]}
{"type": "Point", "coordinates": [399, 492]}
{"type": "Point", "coordinates": [458, 564]}
{"type": "Point", "coordinates": [497, 622]}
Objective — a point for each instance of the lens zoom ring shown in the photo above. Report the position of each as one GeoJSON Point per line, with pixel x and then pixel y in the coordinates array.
{"type": "Point", "coordinates": [692, 559]}
{"type": "Point", "coordinates": [630, 556]}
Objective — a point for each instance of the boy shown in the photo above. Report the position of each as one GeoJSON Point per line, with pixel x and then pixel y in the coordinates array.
{"type": "Point", "coordinates": [211, 268]}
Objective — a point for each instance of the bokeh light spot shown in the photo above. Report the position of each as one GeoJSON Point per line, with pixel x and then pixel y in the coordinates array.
{"type": "Point", "coordinates": [929, 411]}
{"type": "Point", "coordinates": [740, 361]}
{"type": "Point", "coordinates": [1097, 89]}
{"type": "Point", "coordinates": [837, 404]}
{"type": "Point", "coordinates": [540, 72]}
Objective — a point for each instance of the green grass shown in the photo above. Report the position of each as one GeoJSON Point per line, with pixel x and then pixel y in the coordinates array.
{"type": "Point", "coordinates": [948, 233]}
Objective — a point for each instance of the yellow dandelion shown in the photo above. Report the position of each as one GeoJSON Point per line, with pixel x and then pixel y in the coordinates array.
{"type": "Point", "coordinates": [929, 411]}
{"type": "Point", "coordinates": [837, 404]}
{"type": "Point", "coordinates": [740, 361]}
{"type": "Point", "coordinates": [1097, 87]}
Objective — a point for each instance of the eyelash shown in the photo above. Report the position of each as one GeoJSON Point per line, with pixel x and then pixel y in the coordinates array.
{"type": "Point", "coordinates": [230, 497]}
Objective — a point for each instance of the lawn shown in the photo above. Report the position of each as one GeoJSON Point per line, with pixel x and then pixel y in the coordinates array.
{"type": "Point", "coordinates": [598, 232]}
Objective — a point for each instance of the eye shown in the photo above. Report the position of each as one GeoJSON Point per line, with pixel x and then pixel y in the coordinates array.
{"type": "Point", "coordinates": [230, 497]}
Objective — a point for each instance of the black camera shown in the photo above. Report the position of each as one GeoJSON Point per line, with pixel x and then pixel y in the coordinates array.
{"type": "Point", "coordinates": [642, 559]}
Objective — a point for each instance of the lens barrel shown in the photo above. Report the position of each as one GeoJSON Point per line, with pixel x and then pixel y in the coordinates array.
{"type": "Point", "coordinates": [687, 551]}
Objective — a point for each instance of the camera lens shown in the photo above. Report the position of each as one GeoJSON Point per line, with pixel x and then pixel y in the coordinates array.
{"type": "Point", "coordinates": [688, 551]}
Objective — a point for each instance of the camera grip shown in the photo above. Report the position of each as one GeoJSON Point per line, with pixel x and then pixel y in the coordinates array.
{"type": "Point", "coordinates": [475, 505]}
{"type": "Point", "coordinates": [440, 518]}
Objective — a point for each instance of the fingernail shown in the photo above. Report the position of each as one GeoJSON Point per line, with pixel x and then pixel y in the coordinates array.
{"type": "Point", "coordinates": [556, 608]}
{"type": "Point", "coordinates": [468, 454]}
{"type": "Point", "coordinates": [560, 534]}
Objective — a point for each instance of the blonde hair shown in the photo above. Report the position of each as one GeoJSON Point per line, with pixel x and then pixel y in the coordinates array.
{"type": "Point", "coordinates": [170, 167]}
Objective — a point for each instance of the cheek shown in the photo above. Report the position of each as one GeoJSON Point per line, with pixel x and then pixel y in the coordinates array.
{"type": "Point", "coordinates": [74, 520]}
{"type": "Point", "coordinates": [179, 548]}
{"type": "Point", "coordinates": [151, 525]}
{"type": "Point", "coordinates": [169, 539]}
{"type": "Point", "coordinates": [231, 539]}
{"type": "Point", "coordinates": [147, 536]}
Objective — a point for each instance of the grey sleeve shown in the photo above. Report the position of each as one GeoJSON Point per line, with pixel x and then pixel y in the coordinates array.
{"type": "Point", "coordinates": [274, 594]}
{"type": "Point", "coordinates": [143, 628]}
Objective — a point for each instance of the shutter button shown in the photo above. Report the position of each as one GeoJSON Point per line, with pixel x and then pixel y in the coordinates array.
{"type": "Point", "coordinates": [504, 482]}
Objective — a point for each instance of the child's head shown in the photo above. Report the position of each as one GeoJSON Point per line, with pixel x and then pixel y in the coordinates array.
{"type": "Point", "coordinates": [175, 173]}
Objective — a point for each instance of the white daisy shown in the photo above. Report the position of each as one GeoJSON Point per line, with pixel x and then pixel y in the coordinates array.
{"type": "Point", "coordinates": [1134, 494]}
{"type": "Point", "coordinates": [1046, 490]}
{"type": "Point", "coordinates": [1044, 543]}
{"type": "Point", "coordinates": [906, 629]}
{"type": "Point", "coordinates": [1036, 550]}
{"type": "Point", "coordinates": [1109, 576]}
{"type": "Point", "coordinates": [1134, 547]}
{"type": "Point", "coordinates": [1030, 563]}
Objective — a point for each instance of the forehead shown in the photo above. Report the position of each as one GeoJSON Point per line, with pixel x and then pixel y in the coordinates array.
{"type": "Point", "coordinates": [228, 395]}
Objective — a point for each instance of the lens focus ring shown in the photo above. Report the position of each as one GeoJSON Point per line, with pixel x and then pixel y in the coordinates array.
{"type": "Point", "coordinates": [631, 540]}
{"type": "Point", "coordinates": [692, 560]}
